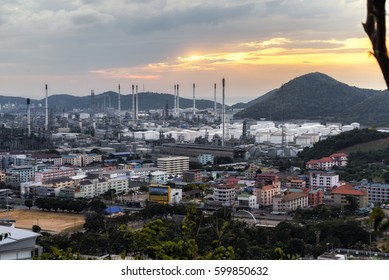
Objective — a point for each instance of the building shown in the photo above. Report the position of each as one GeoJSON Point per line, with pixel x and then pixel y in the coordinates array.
{"type": "Point", "coordinates": [87, 159]}
{"type": "Point", "coordinates": [158, 177]}
{"type": "Point", "coordinates": [25, 172]}
{"type": "Point", "coordinates": [323, 180]}
{"type": "Point", "coordinates": [378, 193]}
{"type": "Point", "coordinates": [73, 160]}
{"type": "Point", "coordinates": [48, 158]}
{"type": "Point", "coordinates": [263, 179]}
{"type": "Point", "coordinates": [164, 194]}
{"type": "Point", "coordinates": [54, 173]}
{"type": "Point", "coordinates": [2, 176]}
{"type": "Point", "coordinates": [327, 163]}
{"type": "Point", "coordinates": [90, 188]}
{"type": "Point", "coordinates": [340, 194]}
{"type": "Point", "coordinates": [290, 202]}
{"type": "Point", "coordinates": [224, 194]}
{"type": "Point", "coordinates": [315, 197]}
{"type": "Point", "coordinates": [247, 201]}
{"type": "Point", "coordinates": [20, 245]}
{"type": "Point", "coordinates": [206, 159]}
{"type": "Point", "coordinates": [192, 176]}
{"type": "Point", "coordinates": [296, 183]}
{"type": "Point", "coordinates": [265, 194]}
{"type": "Point", "coordinates": [173, 165]}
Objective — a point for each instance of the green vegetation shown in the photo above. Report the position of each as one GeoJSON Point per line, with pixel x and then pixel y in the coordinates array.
{"type": "Point", "coordinates": [339, 142]}
{"type": "Point", "coordinates": [199, 236]}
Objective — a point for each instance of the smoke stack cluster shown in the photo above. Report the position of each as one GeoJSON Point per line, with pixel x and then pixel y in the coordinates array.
{"type": "Point", "coordinates": [28, 117]}
{"type": "Point", "coordinates": [47, 110]}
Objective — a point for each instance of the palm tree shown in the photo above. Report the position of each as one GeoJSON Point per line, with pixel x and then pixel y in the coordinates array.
{"type": "Point", "coordinates": [377, 220]}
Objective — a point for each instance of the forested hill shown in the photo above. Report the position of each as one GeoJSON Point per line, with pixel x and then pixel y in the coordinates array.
{"type": "Point", "coordinates": [343, 140]}
{"type": "Point", "coordinates": [316, 96]}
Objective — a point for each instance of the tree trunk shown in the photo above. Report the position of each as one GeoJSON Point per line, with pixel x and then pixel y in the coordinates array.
{"type": "Point", "coordinates": [375, 28]}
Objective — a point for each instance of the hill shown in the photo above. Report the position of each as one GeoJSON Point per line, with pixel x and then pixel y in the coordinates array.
{"type": "Point", "coordinates": [147, 101]}
{"type": "Point", "coordinates": [316, 96]}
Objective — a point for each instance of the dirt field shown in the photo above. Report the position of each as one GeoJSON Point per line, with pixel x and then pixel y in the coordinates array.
{"type": "Point", "coordinates": [48, 221]}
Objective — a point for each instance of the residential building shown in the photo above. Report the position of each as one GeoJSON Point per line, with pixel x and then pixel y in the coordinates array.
{"type": "Point", "coordinates": [192, 176]}
{"type": "Point", "coordinates": [378, 193]}
{"type": "Point", "coordinates": [290, 202]}
{"type": "Point", "coordinates": [90, 188]}
{"type": "Point", "coordinates": [265, 194]}
{"type": "Point", "coordinates": [20, 245]}
{"type": "Point", "coordinates": [323, 180]}
{"type": "Point", "coordinates": [224, 194]}
{"type": "Point", "coordinates": [315, 197]}
{"type": "Point", "coordinates": [25, 172]}
{"type": "Point", "coordinates": [48, 158]}
{"type": "Point", "coordinates": [247, 201]}
{"type": "Point", "coordinates": [2, 176]}
{"type": "Point", "coordinates": [264, 179]}
{"type": "Point", "coordinates": [206, 159]}
{"type": "Point", "coordinates": [173, 165]}
{"type": "Point", "coordinates": [340, 194]}
{"type": "Point", "coordinates": [54, 173]}
{"type": "Point", "coordinates": [159, 177]}
{"type": "Point", "coordinates": [296, 183]}
{"type": "Point", "coordinates": [87, 159]}
{"type": "Point", "coordinates": [72, 159]}
{"type": "Point", "coordinates": [327, 163]}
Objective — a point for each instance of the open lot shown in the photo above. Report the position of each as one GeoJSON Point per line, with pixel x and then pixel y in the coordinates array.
{"type": "Point", "coordinates": [48, 221]}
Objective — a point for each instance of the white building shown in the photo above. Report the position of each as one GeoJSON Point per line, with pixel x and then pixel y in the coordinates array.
{"type": "Point", "coordinates": [325, 181]}
{"type": "Point", "coordinates": [205, 158]}
{"type": "Point", "coordinates": [247, 201]}
{"type": "Point", "coordinates": [159, 177]}
{"type": "Point", "coordinates": [96, 187]}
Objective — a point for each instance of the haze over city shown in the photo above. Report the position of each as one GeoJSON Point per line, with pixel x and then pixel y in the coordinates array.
{"type": "Point", "coordinates": [76, 46]}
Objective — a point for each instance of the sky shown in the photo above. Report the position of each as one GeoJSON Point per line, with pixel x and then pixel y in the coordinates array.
{"type": "Point", "coordinates": [255, 45]}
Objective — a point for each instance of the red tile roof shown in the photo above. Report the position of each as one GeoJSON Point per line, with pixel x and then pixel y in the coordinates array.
{"type": "Point", "coordinates": [348, 190]}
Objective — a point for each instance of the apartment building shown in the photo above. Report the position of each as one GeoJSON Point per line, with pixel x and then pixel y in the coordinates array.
{"type": "Point", "coordinates": [265, 194]}
{"type": "Point", "coordinates": [290, 202]}
{"type": "Point", "coordinates": [247, 201]}
{"type": "Point", "coordinates": [224, 194]}
{"type": "Point", "coordinates": [327, 163]}
{"type": "Point", "coordinates": [173, 165]}
{"type": "Point", "coordinates": [378, 193]}
{"type": "Point", "coordinates": [323, 180]}
{"type": "Point", "coordinates": [94, 187]}
{"type": "Point", "coordinates": [54, 173]}
{"type": "Point", "coordinates": [25, 172]}
{"type": "Point", "coordinates": [340, 194]}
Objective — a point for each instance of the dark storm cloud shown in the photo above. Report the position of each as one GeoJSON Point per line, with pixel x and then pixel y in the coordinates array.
{"type": "Point", "coordinates": [175, 19]}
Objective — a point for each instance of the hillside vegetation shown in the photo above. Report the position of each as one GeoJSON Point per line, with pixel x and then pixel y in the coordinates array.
{"type": "Point", "coordinates": [340, 142]}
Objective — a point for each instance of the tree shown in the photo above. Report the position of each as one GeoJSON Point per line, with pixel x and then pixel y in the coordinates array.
{"type": "Point", "coordinates": [375, 28]}
{"type": "Point", "coordinates": [28, 203]}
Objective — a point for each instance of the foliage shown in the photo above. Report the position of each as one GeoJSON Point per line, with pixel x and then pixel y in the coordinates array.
{"type": "Point", "coordinates": [343, 140]}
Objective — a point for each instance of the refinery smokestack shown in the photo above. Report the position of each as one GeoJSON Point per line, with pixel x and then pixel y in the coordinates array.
{"type": "Point", "coordinates": [178, 101]}
{"type": "Point", "coordinates": [194, 100]}
{"type": "Point", "coordinates": [47, 111]}
{"type": "Point", "coordinates": [119, 98]}
{"type": "Point", "coordinates": [215, 104]}
{"type": "Point", "coordinates": [28, 117]}
{"type": "Point", "coordinates": [137, 102]}
{"type": "Point", "coordinates": [224, 111]}
{"type": "Point", "coordinates": [133, 102]}
{"type": "Point", "coordinates": [175, 100]}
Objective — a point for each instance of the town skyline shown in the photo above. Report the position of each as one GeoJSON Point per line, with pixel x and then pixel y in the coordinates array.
{"type": "Point", "coordinates": [255, 45]}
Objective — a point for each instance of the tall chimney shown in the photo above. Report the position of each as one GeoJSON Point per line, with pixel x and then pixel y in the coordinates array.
{"type": "Point", "coordinates": [194, 100]}
{"type": "Point", "coordinates": [215, 104]}
{"type": "Point", "coordinates": [28, 117]}
{"type": "Point", "coordinates": [137, 102]}
{"type": "Point", "coordinates": [119, 98]}
{"type": "Point", "coordinates": [175, 100]}
{"type": "Point", "coordinates": [47, 111]}
{"type": "Point", "coordinates": [133, 102]}
{"type": "Point", "coordinates": [178, 101]}
{"type": "Point", "coordinates": [224, 111]}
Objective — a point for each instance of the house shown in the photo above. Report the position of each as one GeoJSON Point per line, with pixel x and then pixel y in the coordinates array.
{"type": "Point", "coordinates": [20, 245]}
